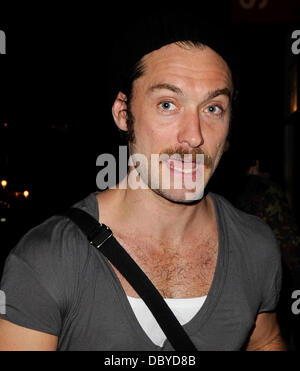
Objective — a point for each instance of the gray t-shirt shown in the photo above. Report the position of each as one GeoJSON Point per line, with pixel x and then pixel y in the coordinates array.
{"type": "Point", "coordinates": [56, 282]}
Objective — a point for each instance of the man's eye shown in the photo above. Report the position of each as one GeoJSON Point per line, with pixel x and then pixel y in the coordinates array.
{"type": "Point", "coordinates": [216, 110]}
{"type": "Point", "coordinates": [167, 106]}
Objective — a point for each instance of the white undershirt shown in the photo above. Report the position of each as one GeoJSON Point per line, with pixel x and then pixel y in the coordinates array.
{"type": "Point", "coordinates": [183, 309]}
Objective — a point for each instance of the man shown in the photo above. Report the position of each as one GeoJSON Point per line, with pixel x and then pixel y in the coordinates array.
{"type": "Point", "coordinates": [220, 265]}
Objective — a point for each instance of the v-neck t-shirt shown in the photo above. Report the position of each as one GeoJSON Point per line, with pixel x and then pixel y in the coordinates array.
{"type": "Point", "coordinates": [184, 310]}
{"type": "Point", "coordinates": [56, 282]}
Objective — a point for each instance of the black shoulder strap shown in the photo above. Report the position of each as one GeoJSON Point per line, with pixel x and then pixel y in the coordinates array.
{"type": "Point", "coordinates": [100, 236]}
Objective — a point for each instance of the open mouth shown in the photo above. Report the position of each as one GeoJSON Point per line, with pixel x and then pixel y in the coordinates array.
{"type": "Point", "coordinates": [185, 167]}
{"type": "Point", "coordinates": [183, 175]}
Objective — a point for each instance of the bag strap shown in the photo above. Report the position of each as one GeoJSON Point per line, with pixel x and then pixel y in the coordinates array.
{"type": "Point", "coordinates": [100, 236]}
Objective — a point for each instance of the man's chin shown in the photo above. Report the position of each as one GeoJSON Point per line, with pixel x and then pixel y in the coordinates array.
{"type": "Point", "coordinates": [180, 196]}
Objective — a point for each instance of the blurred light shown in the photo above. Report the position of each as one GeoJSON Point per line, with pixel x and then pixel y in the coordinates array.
{"type": "Point", "coordinates": [5, 204]}
{"type": "Point", "coordinates": [294, 103]}
{"type": "Point", "coordinates": [60, 126]}
{"type": "Point", "coordinates": [5, 124]}
{"type": "Point", "coordinates": [26, 194]}
{"type": "Point", "coordinates": [3, 183]}
{"type": "Point", "coordinates": [294, 90]}
{"type": "Point", "coordinates": [2, 220]}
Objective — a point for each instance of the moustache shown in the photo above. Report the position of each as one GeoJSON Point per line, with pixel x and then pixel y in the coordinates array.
{"type": "Point", "coordinates": [180, 153]}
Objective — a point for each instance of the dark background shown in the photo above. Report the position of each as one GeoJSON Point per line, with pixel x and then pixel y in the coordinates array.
{"type": "Point", "coordinates": [55, 97]}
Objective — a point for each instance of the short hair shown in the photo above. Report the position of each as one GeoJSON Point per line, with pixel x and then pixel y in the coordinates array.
{"type": "Point", "coordinates": [138, 70]}
{"type": "Point", "coordinates": [153, 32]}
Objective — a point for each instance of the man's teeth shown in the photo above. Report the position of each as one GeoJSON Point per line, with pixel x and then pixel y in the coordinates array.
{"type": "Point", "coordinates": [183, 166]}
{"type": "Point", "coordinates": [186, 171]}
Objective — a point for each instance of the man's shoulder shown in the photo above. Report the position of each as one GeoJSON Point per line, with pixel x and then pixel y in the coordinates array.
{"type": "Point", "coordinates": [43, 273]}
{"type": "Point", "coordinates": [232, 213]}
{"type": "Point", "coordinates": [249, 229]}
{"type": "Point", "coordinates": [54, 240]}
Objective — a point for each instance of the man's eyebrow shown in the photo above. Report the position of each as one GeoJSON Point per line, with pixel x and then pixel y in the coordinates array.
{"type": "Point", "coordinates": [167, 86]}
{"type": "Point", "coordinates": [217, 92]}
{"type": "Point", "coordinates": [175, 89]}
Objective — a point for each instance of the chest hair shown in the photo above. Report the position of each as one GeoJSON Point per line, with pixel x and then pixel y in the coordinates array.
{"type": "Point", "coordinates": [177, 272]}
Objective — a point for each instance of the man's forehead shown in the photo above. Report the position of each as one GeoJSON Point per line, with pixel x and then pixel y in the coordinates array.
{"type": "Point", "coordinates": [186, 63]}
{"type": "Point", "coordinates": [175, 52]}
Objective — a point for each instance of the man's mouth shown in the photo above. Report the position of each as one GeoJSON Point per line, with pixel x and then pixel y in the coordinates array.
{"type": "Point", "coordinates": [185, 167]}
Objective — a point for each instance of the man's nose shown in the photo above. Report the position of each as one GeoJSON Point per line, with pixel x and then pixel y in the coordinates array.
{"type": "Point", "coordinates": [190, 131]}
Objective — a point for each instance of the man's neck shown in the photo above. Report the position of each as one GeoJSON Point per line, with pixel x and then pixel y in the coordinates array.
{"type": "Point", "coordinates": [146, 212]}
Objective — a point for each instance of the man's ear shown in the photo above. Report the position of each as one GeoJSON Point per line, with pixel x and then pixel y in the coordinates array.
{"type": "Point", "coordinates": [119, 111]}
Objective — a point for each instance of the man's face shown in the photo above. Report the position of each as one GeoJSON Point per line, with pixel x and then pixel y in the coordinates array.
{"type": "Point", "coordinates": [181, 104]}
